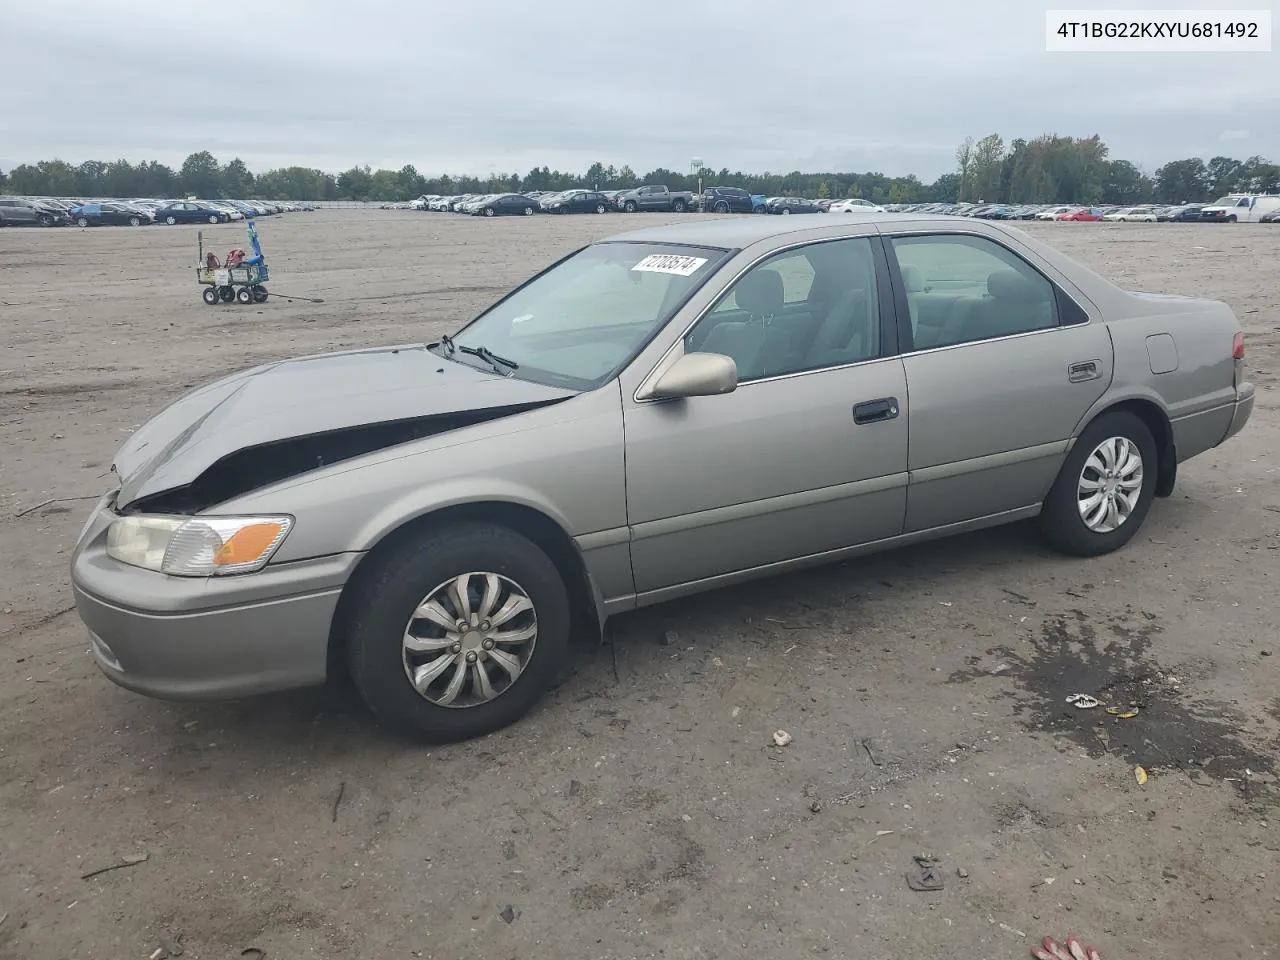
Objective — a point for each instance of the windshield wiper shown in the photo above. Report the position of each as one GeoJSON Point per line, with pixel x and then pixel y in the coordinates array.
{"type": "Point", "coordinates": [446, 342]}
{"type": "Point", "coordinates": [491, 358]}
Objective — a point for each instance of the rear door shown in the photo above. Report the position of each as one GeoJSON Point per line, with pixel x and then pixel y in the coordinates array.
{"type": "Point", "coordinates": [1001, 366]}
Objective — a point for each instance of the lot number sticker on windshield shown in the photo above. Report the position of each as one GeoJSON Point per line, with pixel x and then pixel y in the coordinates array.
{"type": "Point", "coordinates": [670, 263]}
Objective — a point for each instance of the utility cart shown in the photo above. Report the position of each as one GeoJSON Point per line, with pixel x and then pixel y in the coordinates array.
{"type": "Point", "coordinates": [240, 278]}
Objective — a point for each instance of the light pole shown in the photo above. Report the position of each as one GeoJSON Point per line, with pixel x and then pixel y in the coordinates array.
{"type": "Point", "coordinates": [695, 166]}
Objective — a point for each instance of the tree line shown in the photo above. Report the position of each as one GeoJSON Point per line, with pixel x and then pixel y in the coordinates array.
{"type": "Point", "coordinates": [1048, 169]}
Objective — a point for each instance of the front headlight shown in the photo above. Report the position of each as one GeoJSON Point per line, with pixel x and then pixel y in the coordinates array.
{"type": "Point", "coordinates": [197, 546]}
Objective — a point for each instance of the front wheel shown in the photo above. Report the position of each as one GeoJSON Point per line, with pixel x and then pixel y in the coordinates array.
{"type": "Point", "coordinates": [259, 294]}
{"type": "Point", "coordinates": [488, 211]}
{"type": "Point", "coordinates": [227, 294]}
{"type": "Point", "coordinates": [678, 206]}
{"type": "Point", "coordinates": [244, 295]}
{"type": "Point", "coordinates": [1104, 489]}
{"type": "Point", "coordinates": [786, 212]}
{"type": "Point", "coordinates": [213, 218]}
{"type": "Point", "coordinates": [459, 633]}
{"type": "Point", "coordinates": [1231, 219]}
{"type": "Point", "coordinates": [629, 206]}
{"type": "Point", "coordinates": [599, 208]}
{"type": "Point", "coordinates": [210, 296]}
{"type": "Point", "coordinates": [171, 220]}
{"type": "Point", "coordinates": [528, 211]}
{"type": "Point", "coordinates": [46, 220]}
{"type": "Point", "coordinates": [722, 207]}
{"type": "Point", "coordinates": [82, 222]}
{"type": "Point", "coordinates": [135, 221]}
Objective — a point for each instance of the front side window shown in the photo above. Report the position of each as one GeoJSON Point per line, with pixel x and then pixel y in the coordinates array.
{"type": "Point", "coordinates": [580, 322]}
{"type": "Point", "coordinates": [963, 288]}
{"type": "Point", "coordinates": [805, 309]}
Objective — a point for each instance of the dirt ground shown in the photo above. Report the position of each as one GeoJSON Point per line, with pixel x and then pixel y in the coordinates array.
{"type": "Point", "coordinates": [642, 810]}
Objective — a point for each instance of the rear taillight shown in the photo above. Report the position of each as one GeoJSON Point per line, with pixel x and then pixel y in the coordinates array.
{"type": "Point", "coordinates": [1237, 347]}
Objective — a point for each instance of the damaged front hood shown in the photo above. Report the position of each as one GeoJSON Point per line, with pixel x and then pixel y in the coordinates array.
{"type": "Point", "coordinates": [305, 397]}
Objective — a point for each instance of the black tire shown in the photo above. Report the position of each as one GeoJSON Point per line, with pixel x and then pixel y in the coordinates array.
{"type": "Point", "coordinates": [1060, 518]}
{"type": "Point", "coordinates": [678, 206]}
{"type": "Point", "coordinates": [135, 221]}
{"type": "Point", "coordinates": [489, 212]}
{"type": "Point", "coordinates": [528, 211]}
{"type": "Point", "coordinates": [244, 295]}
{"type": "Point", "coordinates": [210, 296]}
{"type": "Point", "coordinates": [599, 208]}
{"type": "Point", "coordinates": [786, 210]}
{"type": "Point", "coordinates": [226, 294]}
{"type": "Point", "coordinates": [1231, 219]}
{"type": "Point", "coordinates": [45, 220]}
{"type": "Point", "coordinates": [171, 220]}
{"type": "Point", "coordinates": [386, 598]}
{"type": "Point", "coordinates": [214, 218]}
{"type": "Point", "coordinates": [629, 206]}
{"type": "Point", "coordinates": [259, 294]}
{"type": "Point", "coordinates": [722, 207]}
{"type": "Point", "coordinates": [82, 222]}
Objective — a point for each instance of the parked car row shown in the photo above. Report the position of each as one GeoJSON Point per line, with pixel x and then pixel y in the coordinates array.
{"type": "Point", "coordinates": [90, 212]}
{"type": "Point", "coordinates": [651, 197]}
{"type": "Point", "coordinates": [1233, 208]}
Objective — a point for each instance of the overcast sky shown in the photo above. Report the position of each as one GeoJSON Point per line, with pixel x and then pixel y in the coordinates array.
{"type": "Point", "coordinates": [494, 85]}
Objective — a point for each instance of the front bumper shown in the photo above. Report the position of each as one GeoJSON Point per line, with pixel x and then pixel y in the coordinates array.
{"type": "Point", "coordinates": [213, 638]}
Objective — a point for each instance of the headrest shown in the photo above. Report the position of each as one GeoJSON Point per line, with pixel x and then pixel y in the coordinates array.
{"type": "Point", "coordinates": [760, 292]}
{"type": "Point", "coordinates": [912, 278]}
{"type": "Point", "coordinates": [1008, 284]}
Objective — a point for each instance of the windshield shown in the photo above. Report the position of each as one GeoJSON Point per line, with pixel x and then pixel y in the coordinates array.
{"type": "Point", "coordinates": [581, 321]}
{"type": "Point", "coordinates": [1227, 201]}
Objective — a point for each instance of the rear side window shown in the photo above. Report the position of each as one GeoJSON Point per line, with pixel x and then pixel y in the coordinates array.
{"type": "Point", "coordinates": [963, 289]}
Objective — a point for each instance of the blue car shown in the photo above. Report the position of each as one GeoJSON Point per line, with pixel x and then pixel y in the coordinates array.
{"type": "Point", "coordinates": [191, 211]}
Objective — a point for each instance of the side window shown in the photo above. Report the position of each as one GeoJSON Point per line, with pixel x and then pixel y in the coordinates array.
{"type": "Point", "coordinates": [963, 288]}
{"type": "Point", "coordinates": [805, 309]}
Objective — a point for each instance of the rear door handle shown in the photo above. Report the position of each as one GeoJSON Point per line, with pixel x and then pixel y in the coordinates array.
{"type": "Point", "coordinates": [1086, 370]}
{"type": "Point", "coordinates": [873, 411]}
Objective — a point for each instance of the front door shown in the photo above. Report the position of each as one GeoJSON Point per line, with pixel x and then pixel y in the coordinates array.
{"type": "Point", "coordinates": [1003, 368]}
{"type": "Point", "coordinates": [807, 455]}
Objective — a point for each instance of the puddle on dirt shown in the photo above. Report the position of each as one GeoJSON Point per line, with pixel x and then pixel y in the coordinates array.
{"type": "Point", "coordinates": [1113, 661]}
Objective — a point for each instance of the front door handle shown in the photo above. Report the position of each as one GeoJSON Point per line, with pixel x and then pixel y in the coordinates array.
{"type": "Point", "coordinates": [1080, 372]}
{"type": "Point", "coordinates": [874, 411]}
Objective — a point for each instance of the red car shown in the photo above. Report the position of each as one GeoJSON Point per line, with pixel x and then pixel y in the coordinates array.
{"type": "Point", "coordinates": [1084, 213]}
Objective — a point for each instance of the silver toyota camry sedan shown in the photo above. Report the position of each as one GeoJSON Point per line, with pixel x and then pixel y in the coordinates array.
{"type": "Point", "coordinates": [660, 413]}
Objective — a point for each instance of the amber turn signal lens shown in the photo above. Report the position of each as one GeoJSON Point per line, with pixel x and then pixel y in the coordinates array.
{"type": "Point", "coordinates": [248, 544]}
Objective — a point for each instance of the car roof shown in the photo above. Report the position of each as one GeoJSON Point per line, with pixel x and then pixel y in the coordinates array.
{"type": "Point", "coordinates": [738, 232]}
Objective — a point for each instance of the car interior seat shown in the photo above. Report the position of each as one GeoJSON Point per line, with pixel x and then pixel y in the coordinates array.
{"type": "Point", "coordinates": [760, 294]}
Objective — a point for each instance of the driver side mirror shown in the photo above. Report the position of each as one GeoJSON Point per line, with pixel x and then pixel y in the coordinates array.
{"type": "Point", "coordinates": [698, 375]}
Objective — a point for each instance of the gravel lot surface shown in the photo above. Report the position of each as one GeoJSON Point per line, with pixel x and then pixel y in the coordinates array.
{"type": "Point", "coordinates": [642, 810]}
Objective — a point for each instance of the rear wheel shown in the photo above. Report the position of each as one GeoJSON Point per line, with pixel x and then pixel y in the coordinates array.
{"type": "Point", "coordinates": [599, 208]}
{"type": "Point", "coordinates": [213, 218]}
{"type": "Point", "coordinates": [210, 296]}
{"type": "Point", "coordinates": [244, 295]}
{"type": "Point", "coordinates": [678, 206]}
{"type": "Point", "coordinates": [528, 211]}
{"type": "Point", "coordinates": [135, 221]}
{"type": "Point", "coordinates": [722, 207]}
{"type": "Point", "coordinates": [489, 211]}
{"type": "Point", "coordinates": [82, 222]}
{"type": "Point", "coordinates": [1104, 489]}
{"type": "Point", "coordinates": [458, 634]}
{"type": "Point", "coordinates": [226, 294]}
{"type": "Point", "coordinates": [46, 220]}
{"type": "Point", "coordinates": [259, 294]}
{"type": "Point", "coordinates": [171, 220]}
